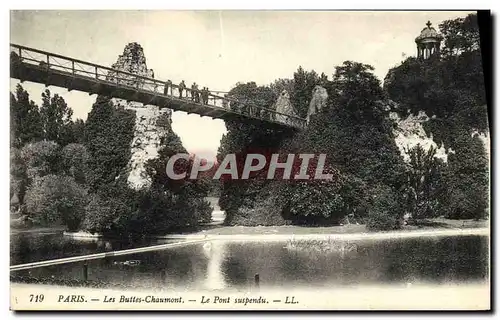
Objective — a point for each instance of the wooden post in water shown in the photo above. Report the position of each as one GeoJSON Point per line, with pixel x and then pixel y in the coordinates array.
{"type": "Point", "coordinates": [85, 272]}
{"type": "Point", "coordinates": [257, 280]}
{"type": "Point", "coordinates": [163, 276]}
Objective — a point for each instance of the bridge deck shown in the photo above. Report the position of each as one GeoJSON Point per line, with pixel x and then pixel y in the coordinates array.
{"type": "Point", "coordinates": [28, 64]}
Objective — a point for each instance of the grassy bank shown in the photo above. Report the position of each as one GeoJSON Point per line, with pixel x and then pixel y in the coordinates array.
{"type": "Point", "coordinates": [427, 228]}
{"type": "Point", "coordinates": [429, 224]}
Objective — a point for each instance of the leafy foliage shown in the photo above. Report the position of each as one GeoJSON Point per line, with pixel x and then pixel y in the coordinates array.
{"type": "Point", "coordinates": [451, 90]}
{"type": "Point", "coordinates": [55, 116]}
{"type": "Point", "coordinates": [353, 131]}
{"type": "Point", "coordinates": [467, 180]}
{"type": "Point", "coordinates": [314, 201]}
{"type": "Point", "coordinates": [55, 198]}
{"type": "Point", "coordinates": [303, 85]}
{"type": "Point", "coordinates": [424, 185]}
{"type": "Point", "coordinates": [117, 209]}
{"type": "Point", "coordinates": [461, 35]}
{"type": "Point", "coordinates": [385, 210]}
{"type": "Point", "coordinates": [41, 158]}
{"type": "Point", "coordinates": [25, 124]}
{"type": "Point", "coordinates": [108, 133]}
{"type": "Point", "coordinates": [244, 138]}
{"type": "Point", "coordinates": [75, 160]}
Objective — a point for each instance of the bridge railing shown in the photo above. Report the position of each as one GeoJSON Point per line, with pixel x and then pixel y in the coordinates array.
{"type": "Point", "coordinates": [79, 68]}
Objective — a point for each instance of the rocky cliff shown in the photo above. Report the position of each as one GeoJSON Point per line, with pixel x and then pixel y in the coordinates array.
{"type": "Point", "coordinates": [152, 124]}
{"type": "Point", "coordinates": [318, 101]}
{"type": "Point", "coordinates": [409, 132]}
{"type": "Point", "coordinates": [283, 105]}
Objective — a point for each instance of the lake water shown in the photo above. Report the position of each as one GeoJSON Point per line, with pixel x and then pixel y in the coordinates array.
{"type": "Point", "coordinates": [31, 246]}
{"type": "Point", "coordinates": [218, 264]}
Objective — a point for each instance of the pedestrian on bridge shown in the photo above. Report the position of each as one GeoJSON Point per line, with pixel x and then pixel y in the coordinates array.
{"type": "Point", "coordinates": [168, 85]}
{"type": "Point", "coordinates": [195, 93]}
{"type": "Point", "coordinates": [182, 86]}
{"type": "Point", "coordinates": [204, 95]}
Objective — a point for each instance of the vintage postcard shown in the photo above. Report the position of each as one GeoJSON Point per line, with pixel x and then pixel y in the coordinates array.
{"type": "Point", "coordinates": [249, 160]}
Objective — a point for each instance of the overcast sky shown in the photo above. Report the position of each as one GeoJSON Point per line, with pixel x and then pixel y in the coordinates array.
{"type": "Point", "coordinates": [218, 49]}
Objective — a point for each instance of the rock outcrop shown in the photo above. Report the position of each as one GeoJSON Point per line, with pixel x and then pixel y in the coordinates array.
{"type": "Point", "coordinates": [152, 124]}
{"type": "Point", "coordinates": [318, 101]}
{"type": "Point", "coordinates": [410, 132]}
{"type": "Point", "coordinates": [284, 105]}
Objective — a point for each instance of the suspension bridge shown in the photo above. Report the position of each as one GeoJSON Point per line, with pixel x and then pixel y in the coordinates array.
{"type": "Point", "coordinates": [29, 64]}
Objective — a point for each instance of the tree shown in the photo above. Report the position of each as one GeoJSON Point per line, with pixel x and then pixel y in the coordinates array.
{"type": "Point", "coordinates": [303, 85]}
{"type": "Point", "coordinates": [385, 210]}
{"type": "Point", "coordinates": [56, 118]}
{"type": "Point", "coordinates": [248, 95]}
{"type": "Point", "coordinates": [354, 133]}
{"type": "Point", "coordinates": [41, 158]}
{"type": "Point", "coordinates": [314, 201]}
{"type": "Point", "coordinates": [467, 180]}
{"type": "Point", "coordinates": [25, 124]}
{"type": "Point", "coordinates": [75, 160]}
{"type": "Point", "coordinates": [75, 132]}
{"type": "Point", "coordinates": [424, 183]}
{"type": "Point", "coordinates": [277, 86]}
{"type": "Point", "coordinates": [354, 192]}
{"type": "Point", "coordinates": [356, 89]}
{"type": "Point", "coordinates": [56, 198]}
{"type": "Point", "coordinates": [108, 133]}
{"type": "Point", "coordinates": [353, 130]}
{"type": "Point", "coordinates": [107, 215]}
{"type": "Point", "coordinates": [244, 138]}
{"type": "Point", "coordinates": [460, 35]}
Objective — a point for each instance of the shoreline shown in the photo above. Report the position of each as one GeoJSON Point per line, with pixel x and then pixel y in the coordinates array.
{"type": "Point", "coordinates": [336, 236]}
{"type": "Point", "coordinates": [380, 235]}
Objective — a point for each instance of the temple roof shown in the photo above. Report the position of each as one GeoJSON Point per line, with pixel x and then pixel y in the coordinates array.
{"type": "Point", "coordinates": [429, 33]}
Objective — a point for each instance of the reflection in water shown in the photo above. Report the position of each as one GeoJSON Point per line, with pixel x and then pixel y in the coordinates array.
{"type": "Point", "coordinates": [30, 246]}
{"type": "Point", "coordinates": [214, 251]}
{"type": "Point", "coordinates": [219, 264]}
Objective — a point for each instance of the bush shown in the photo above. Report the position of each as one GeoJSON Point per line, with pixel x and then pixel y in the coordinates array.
{"type": "Point", "coordinates": [41, 158]}
{"type": "Point", "coordinates": [105, 215]}
{"type": "Point", "coordinates": [74, 161]}
{"type": "Point", "coordinates": [385, 210]}
{"type": "Point", "coordinates": [266, 210]}
{"type": "Point", "coordinates": [203, 210]}
{"type": "Point", "coordinates": [468, 202]}
{"type": "Point", "coordinates": [467, 180]}
{"type": "Point", "coordinates": [56, 199]}
{"type": "Point", "coordinates": [121, 211]}
{"type": "Point", "coordinates": [314, 201]}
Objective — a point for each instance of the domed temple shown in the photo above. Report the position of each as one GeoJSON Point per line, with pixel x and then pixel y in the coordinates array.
{"type": "Point", "coordinates": [428, 42]}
